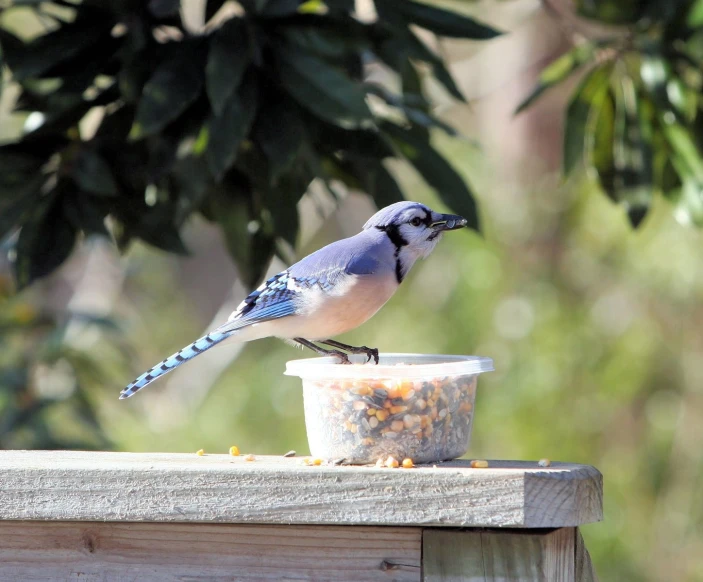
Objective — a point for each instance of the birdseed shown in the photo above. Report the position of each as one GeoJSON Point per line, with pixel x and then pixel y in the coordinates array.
{"type": "Point", "coordinates": [362, 420]}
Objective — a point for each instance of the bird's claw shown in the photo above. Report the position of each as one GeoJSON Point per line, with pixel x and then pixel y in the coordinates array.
{"type": "Point", "coordinates": [343, 358]}
{"type": "Point", "coordinates": [370, 353]}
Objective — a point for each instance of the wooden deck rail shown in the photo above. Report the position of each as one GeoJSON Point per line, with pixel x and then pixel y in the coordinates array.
{"type": "Point", "coordinates": [139, 517]}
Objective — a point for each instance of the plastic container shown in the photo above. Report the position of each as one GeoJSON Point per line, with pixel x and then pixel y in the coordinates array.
{"type": "Point", "coordinates": [409, 405]}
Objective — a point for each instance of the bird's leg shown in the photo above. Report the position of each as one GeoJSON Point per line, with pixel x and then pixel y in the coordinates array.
{"type": "Point", "coordinates": [369, 352]}
{"type": "Point", "coordinates": [343, 358]}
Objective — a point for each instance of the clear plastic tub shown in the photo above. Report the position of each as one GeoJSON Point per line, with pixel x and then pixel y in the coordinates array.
{"type": "Point", "coordinates": [409, 405]}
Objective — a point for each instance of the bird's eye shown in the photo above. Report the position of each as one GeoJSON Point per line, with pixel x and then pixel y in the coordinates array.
{"type": "Point", "coordinates": [416, 221]}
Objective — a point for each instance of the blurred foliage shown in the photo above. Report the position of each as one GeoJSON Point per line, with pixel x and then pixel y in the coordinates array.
{"type": "Point", "coordinates": [233, 121]}
{"type": "Point", "coordinates": [46, 380]}
{"type": "Point", "coordinates": [635, 119]}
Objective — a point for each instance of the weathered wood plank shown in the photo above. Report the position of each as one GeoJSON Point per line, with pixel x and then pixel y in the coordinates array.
{"type": "Point", "coordinates": [498, 556]}
{"type": "Point", "coordinates": [64, 486]}
{"type": "Point", "coordinates": [140, 552]}
{"type": "Point", "coordinates": [583, 567]}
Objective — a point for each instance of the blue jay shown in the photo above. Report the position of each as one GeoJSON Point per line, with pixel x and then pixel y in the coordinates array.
{"type": "Point", "coordinates": [329, 292]}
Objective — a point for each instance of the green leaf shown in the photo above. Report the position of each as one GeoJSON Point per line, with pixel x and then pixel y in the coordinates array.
{"type": "Point", "coordinates": [588, 97]}
{"type": "Point", "coordinates": [85, 213]}
{"type": "Point", "coordinates": [613, 11]}
{"type": "Point", "coordinates": [439, 21]}
{"type": "Point", "coordinates": [93, 174]}
{"type": "Point", "coordinates": [157, 228]}
{"type": "Point", "coordinates": [685, 149]}
{"type": "Point", "coordinates": [694, 17]}
{"type": "Point", "coordinates": [227, 131]}
{"type": "Point", "coordinates": [600, 134]}
{"type": "Point", "coordinates": [323, 90]}
{"type": "Point", "coordinates": [174, 85]}
{"type": "Point", "coordinates": [21, 180]}
{"type": "Point", "coordinates": [418, 50]}
{"type": "Point", "coordinates": [227, 60]}
{"type": "Point", "coordinates": [413, 115]}
{"type": "Point", "coordinates": [362, 142]}
{"type": "Point", "coordinates": [379, 183]}
{"type": "Point", "coordinates": [45, 242]}
{"type": "Point", "coordinates": [632, 154]}
{"type": "Point", "coordinates": [35, 58]}
{"type": "Point", "coordinates": [250, 246]}
{"type": "Point", "coordinates": [281, 201]}
{"type": "Point", "coordinates": [436, 171]}
{"type": "Point", "coordinates": [558, 70]}
{"type": "Point", "coordinates": [329, 39]}
{"type": "Point", "coordinates": [280, 133]}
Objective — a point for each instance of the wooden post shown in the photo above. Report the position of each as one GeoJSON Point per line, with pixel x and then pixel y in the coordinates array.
{"type": "Point", "coordinates": [121, 516]}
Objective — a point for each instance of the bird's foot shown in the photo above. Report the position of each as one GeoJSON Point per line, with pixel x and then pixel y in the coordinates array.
{"type": "Point", "coordinates": [368, 352]}
{"type": "Point", "coordinates": [343, 358]}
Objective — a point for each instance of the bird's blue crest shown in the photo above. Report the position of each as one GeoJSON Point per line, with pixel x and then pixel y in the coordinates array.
{"type": "Point", "coordinates": [391, 214]}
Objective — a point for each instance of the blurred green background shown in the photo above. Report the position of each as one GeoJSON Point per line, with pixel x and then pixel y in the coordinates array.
{"type": "Point", "coordinates": [595, 329]}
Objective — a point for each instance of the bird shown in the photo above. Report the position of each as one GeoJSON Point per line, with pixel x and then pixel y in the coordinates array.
{"type": "Point", "coordinates": [329, 292]}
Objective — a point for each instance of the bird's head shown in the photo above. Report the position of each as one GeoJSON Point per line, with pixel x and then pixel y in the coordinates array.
{"type": "Point", "coordinates": [413, 227]}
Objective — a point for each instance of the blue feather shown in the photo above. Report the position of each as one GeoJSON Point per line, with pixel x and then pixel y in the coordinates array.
{"type": "Point", "coordinates": [189, 352]}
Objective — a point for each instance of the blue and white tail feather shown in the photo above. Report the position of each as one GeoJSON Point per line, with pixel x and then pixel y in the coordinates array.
{"type": "Point", "coordinates": [188, 353]}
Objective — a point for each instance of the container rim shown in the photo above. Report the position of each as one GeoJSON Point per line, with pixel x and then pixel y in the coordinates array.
{"type": "Point", "coordinates": [391, 366]}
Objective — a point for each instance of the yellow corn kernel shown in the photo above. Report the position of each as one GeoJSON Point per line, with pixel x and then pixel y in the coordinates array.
{"type": "Point", "coordinates": [391, 463]}
{"type": "Point", "coordinates": [381, 415]}
{"type": "Point", "coordinates": [407, 463]}
{"type": "Point", "coordinates": [316, 461]}
{"type": "Point", "coordinates": [398, 409]}
{"type": "Point", "coordinates": [371, 411]}
{"type": "Point", "coordinates": [379, 464]}
{"type": "Point", "coordinates": [200, 452]}
{"type": "Point", "coordinates": [249, 457]}
{"type": "Point", "coordinates": [234, 451]}
{"type": "Point", "coordinates": [479, 464]}
{"type": "Point", "coordinates": [544, 463]}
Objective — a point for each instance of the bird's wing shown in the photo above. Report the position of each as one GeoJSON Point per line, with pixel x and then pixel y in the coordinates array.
{"type": "Point", "coordinates": [274, 298]}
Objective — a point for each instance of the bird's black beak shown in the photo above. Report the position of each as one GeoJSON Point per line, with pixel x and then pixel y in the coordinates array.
{"type": "Point", "coordinates": [449, 222]}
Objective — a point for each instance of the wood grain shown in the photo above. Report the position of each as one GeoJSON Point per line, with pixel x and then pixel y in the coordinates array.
{"type": "Point", "coordinates": [583, 567]}
{"type": "Point", "coordinates": [139, 552]}
{"type": "Point", "coordinates": [498, 556]}
{"type": "Point", "coordinates": [88, 486]}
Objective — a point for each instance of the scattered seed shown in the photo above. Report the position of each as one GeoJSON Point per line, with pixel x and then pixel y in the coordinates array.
{"type": "Point", "coordinates": [249, 457]}
{"type": "Point", "coordinates": [379, 463]}
{"type": "Point", "coordinates": [544, 463]}
{"type": "Point", "coordinates": [479, 464]}
{"type": "Point", "coordinates": [290, 454]}
{"type": "Point", "coordinates": [391, 463]}
{"type": "Point", "coordinates": [200, 452]}
{"type": "Point", "coordinates": [407, 463]}
{"type": "Point", "coordinates": [234, 450]}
